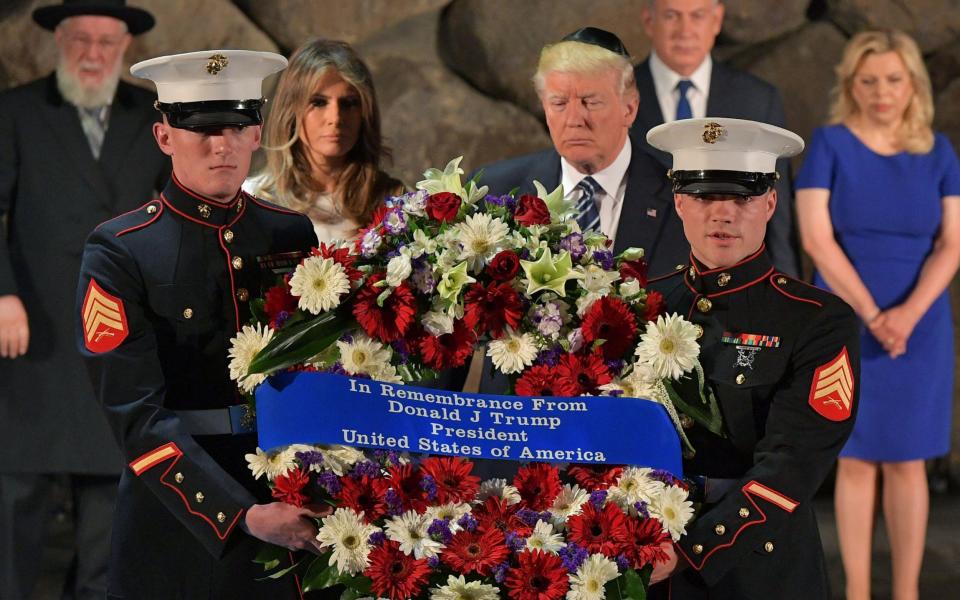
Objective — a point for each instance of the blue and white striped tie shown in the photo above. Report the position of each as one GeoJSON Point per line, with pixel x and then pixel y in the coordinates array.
{"type": "Point", "coordinates": [588, 215]}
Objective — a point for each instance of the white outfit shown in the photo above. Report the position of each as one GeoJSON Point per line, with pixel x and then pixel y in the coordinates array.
{"type": "Point", "coordinates": [328, 223]}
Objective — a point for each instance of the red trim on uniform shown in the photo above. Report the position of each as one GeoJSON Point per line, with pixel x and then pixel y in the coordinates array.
{"type": "Point", "coordinates": [186, 503]}
{"type": "Point", "coordinates": [673, 273]}
{"type": "Point", "coordinates": [154, 457]}
{"type": "Point", "coordinates": [773, 282]}
{"type": "Point", "coordinates": [763, 247]}
{"type": "Point", "coordinates": [233, 284]}
{"type": "Point", "coordinates": [191, 193]}
{"type": "Point", "coordinates": [762, 519]}
{"type": "Point", "coordinates": [296, 578]}
{"type": "Point", "coordinates": [261, 204]}
{"type": "Point", "coordinates": [186, 216]}
{"type": "Point", "coordinates": [742, 287]}
{"type": "Point", "coordinates": [129, 212]}
{"type": "Point", "coordinates": [141, 226]}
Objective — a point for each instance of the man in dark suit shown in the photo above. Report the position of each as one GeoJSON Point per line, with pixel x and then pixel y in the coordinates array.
{"type": "Point", "coordinates": [75, 150]}
{"type": "Point", "coordinates": [681, 80]}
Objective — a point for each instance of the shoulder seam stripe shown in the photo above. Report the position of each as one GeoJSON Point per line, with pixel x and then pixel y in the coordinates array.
{"type": "Point", "coordinates": [142, 225]}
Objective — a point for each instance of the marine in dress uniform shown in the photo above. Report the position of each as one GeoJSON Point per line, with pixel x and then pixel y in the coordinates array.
{"type": "Point", "coordinates": [162, 291]}
{"type": "Point", "coordinates": [781, 358]}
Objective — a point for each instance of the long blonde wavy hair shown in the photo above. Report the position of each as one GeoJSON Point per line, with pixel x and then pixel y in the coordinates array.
{"type": "Point", "coordinates": [916, 131]}
{"type": "Point", "coordinates": [287, 178]}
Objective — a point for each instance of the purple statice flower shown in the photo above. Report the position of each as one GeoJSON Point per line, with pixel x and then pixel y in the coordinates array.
{"type": "Point", "coordinates": [662, 476]}
{"type": "Point", "coordinates": [415, 203]}
{"type": "Point", "coordinates": [467, 522]}
{"type": "Point", "coordinates": [575, 338]}
{"type": "Point", "coordinates": [329, 481]}
{"type": "Point", "coordinates": [394, 505]}
{"type": "Point", "coordinates": [524, 253]}
{"type": "Point", "coordinates": [395, 221]}
{"type": "Point", "coordinates": [402, 348]}
{"type": "Point", "coordinates": [496, 200]}
{"type": "Point", "coordinates": [622, 562]}
{"type": "Point", "coordinates": [549, 357]}
{"type": "Point", "coordinates": [598, 497]}
{"type": "Point", "coordinates": [530, 517]}
{"type": "Point", "coordinates": [370, 243]}
{"type": "Point", "coordinates": [515, 542]}
{"type": "Point", "coordinates": [281, 318]}
{"type": "Point", "coordinates": [433, 562]}
{"type": "Point", "coordinates": [573, 244]}
{"type": "Point", "coordinates": [500, 572]}
{"type": "Point", "coordinates": [573, 556]}
{"type": "Point", "coordinates": [423, 280]}
{"type": "Point", "coordinates": [337, 368]}
{"type": "Point", "coordinates": [387, 457]}
{"type": "Point", "coordinates": [377, 538]}
{"type": "Point", "coordinates": [428, 485]}
{"type": "Point", "coordinates": [439, 531]}
{"type": "Point", "coordinates": [549, 320]}
{"type": "Point", "coordinates": [346, 338]}
{"type": "Point", "coordinates": [642, 509]}
{"type": "Point", "coordinates": [614, 365]}
{"type": "Point", "coordinates": [604, 258]}
{"type": "Point", "coordinates": [310, 458]}
{"type": "Point", "coordinates": [366, 468]}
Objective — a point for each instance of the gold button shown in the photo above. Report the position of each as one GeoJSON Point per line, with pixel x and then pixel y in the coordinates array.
{"type": "Point", "coordinates": [723, 279]}
{"type": "Point", "coordinates": [199, 497]}
{"type": "Point", "coordinates": [768, 547]}
{"type": "Point", "coordinates": [239, 204]}
{"type": "Point", "coordinates": [693, 273]}
{"type": "Point", "coordinates": [243, 295]}
{"type": "Point", "coordinates": [697, 549]}
{"type": "Point", "coordinates": [151, 209]}
{"type": "Point", "coordinates": [704, 305]}
{"type": "Point", "coordinates": [228, 236]}
{"type": "Point", "coordinates": [680, 267]}
{"type": "Point", "coordinates": [699, 330]}
{"type": "Point", "coordinates": [781, 280]}
{"type": "Point", "coordinates": [720, 529]}
{"type": "Point", "coordinates": [221, 517]}
{"type": "Point", "coordinates": [686, 422]}
{"type": "Point", "coordinates": [204, 210]}
{"type": "Point", "coordinates": [237, 263]}
{"type": "Point", "coordinates": [178, 477]}
{"type": "Point", "coordinates": [744, 513]}
{"type": "Point", "coordinates": [188, 313]}
{"type": "Point", "coordinates": [740, 379]}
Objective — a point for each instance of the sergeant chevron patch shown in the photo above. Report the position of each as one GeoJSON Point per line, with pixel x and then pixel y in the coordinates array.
{"type": "Point", "coordinates": [831, 392]}
{"type": "Point", "coordinates": [104, 320]}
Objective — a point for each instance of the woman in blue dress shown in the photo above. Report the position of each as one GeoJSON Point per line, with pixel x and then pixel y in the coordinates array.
{"type": "Point", "coordinates": [878, 206]}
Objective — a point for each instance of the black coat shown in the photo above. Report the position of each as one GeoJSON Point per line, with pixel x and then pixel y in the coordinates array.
{"type": "Point", "coordinates": [53, 193]}
{"type": "Point", "coordinates": [171, 282]}
{"type": "Point", "coordinates": [737, 95]}
{"type": "Point", "coordinates": [783, 359]}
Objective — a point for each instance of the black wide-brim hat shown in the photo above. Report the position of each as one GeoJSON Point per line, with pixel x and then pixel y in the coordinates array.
{"type": "Point", "coordinates": [138, 20]}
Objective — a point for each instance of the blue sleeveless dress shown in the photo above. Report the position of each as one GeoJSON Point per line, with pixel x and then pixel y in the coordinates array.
{"type": "Point", "coordinates": [886, 213]}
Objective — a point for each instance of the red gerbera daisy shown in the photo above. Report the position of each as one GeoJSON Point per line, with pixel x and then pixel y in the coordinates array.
{"type": "Point", "coordinates": [654, 306]}
{"type": "Point", "coordinates": [495, 513]}
{"type": "Point", "coordinates": [405, 482]}
{"type": "Point", "coordinates": [539, 575]}
{"type": "Point", "coordinates": [476, 551]}
{"type": "Point", "coordinates": [360, 494]}
{"type": "Point", "coordinates": [611, 320]}
{"type": "Point", "coordinates": [376, 219]}
{"type": "Point", "coordinates": [396, 575]}
{"type": "Point", "coordinates": [289, 487]}
{"type": "Point", "coordinates": [279, 303]}
{"type": "Point", "coordinates": [451, 474]}
{"type": "Point", "coordinates": [578, 374]}
{"type": "Point", "coordinates": [450, 349]}
{"type": "Point", "coordinates": [341, 256]}
{"type": "Point", "coordinates": [645, 539]}
{"type": "Point", "coordinates": [540, 380]}
{"type": "Point", "coordinates": [595, 477]}
{"type": "Point", "coordinates": [599, 530]}
{"type": "Point", "coordinates": [539, 485]}
{"type": "Point", "coordinates": [389, 322]}
{"type": "Point", "coordinates": [491, 308]}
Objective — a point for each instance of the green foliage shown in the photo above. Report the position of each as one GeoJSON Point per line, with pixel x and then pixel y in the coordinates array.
{"type": "Point", "coordinates": [302, 341]}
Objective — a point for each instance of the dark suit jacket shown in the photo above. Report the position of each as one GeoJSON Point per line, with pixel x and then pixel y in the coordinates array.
{"type": "Point", "coordinates": [737, 95]}
{"type": "Point", "coordinates": [53, 194]}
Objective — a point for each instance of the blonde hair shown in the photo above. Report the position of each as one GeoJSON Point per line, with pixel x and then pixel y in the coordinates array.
{"type": "Point", "coordinates": [578, 57]}
{"type": "Point", "coordinates": [362, 186]}
{"type": "Point", "coordinates": [916, 132]}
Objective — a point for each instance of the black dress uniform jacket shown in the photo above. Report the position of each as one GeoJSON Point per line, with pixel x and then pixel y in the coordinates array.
{"type": "Point", "coordinates": [782, 358]}
{"type": "Point", "coordinates": [162, 291]}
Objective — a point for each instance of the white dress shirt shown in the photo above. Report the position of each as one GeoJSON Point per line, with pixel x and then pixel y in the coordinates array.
{"type": "Point", "coordinates": [665, 83]}
{"type": "Point", "coordinates": [614, 177]}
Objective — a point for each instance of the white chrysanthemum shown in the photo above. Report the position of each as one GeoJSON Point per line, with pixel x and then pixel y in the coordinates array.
{"type": "Point", "coordinates": [587, 583]}
{"type": "Point", "coordinates": [437, 323]}
{"type": "Point", "coordinates": [387, 374]}
{"type": "Point", "coordinates": [568, 502]}
{"type": "Point", "coordinates": [451, 512]}
{"type": "Point", "coordinates": [247, 343]}
{"type": "Point", "coordinates": [673, 510]}
{"type": "Point", "coordinates": [340, 459]}
{"type": "Point", "coordinates": [481, 237]}
{"type": "Point", "coordinates": [348, 535]}
{"type": "Point", "coordinates": [669, 346]}
{"type": "Point", "coordinates": [497, 488]}
{"type": "Point", "coordinates": [363, 355]}
{"type": "Point", "coordinates": [543, 538]}
{"type": "Point", "coordinates": [634, 485]}
{"type": "Point", "coordinates": [398, 269]}
{"type": "Point", "coordinates": [318, 283]}
{"type": "Point", "coordinates": [410, 530]}
{"type": "Point", "coordinates": [513, 352]}
{"type": "Point", "coordinates": [458, 588]}
{"type": "Point", "coordinates": [271, 464]}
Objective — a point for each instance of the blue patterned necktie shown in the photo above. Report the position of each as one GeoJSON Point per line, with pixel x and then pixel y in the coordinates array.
{"type": "Point", "coordinates": [683, 105]}
{"type": "Point", "coordinates": [588, 215]}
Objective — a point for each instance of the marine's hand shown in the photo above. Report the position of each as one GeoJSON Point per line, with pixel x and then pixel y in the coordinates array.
{"type": "Point", "coordinates": [284, 525]}
{"type": "Point", "coordinates": [665, 569]}
{"type": "Point", "coordinates": [14, 330]}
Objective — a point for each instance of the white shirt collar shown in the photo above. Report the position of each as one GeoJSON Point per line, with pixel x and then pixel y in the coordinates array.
{"type": "Point", "coordinates": [665, 80]}
{"type": "Point", "coordinates": [609, 178]}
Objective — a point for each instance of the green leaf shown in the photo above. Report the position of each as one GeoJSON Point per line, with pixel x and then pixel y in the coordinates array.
{"type": "Point", "coordinates": [635, 584]}
{"type": "Point", "coordinates": [270, 556]}
{"type": "Point", "coordinates": [706, 413]}
{"type": "Point", "coordinates": [299, 343]}
{"type": "Point", "coordinates": [282, 572]}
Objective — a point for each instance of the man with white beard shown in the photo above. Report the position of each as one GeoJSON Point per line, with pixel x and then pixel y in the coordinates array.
{"type": "Point", "coordinates": [76, 149]}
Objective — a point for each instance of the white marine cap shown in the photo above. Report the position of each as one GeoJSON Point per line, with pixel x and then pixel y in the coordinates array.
{"type": "Point", "coordinates": [210, 88]}
{"type": "Point", "coordinates": [724, 156]}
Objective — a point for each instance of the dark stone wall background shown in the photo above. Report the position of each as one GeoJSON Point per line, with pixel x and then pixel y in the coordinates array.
{"type": "Point", "coordinates": [453, 76]}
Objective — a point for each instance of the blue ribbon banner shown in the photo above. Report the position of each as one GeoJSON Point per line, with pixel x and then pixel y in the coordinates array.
{"type": "Point", "coordinates": [324, 408]}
